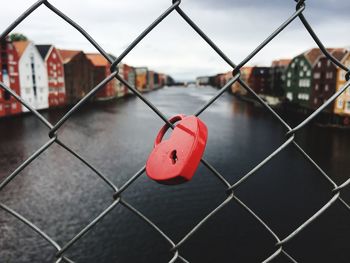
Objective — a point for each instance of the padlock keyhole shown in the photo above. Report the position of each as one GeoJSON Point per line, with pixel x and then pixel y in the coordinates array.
{"type": "Point", "coordinates": [173, 157]}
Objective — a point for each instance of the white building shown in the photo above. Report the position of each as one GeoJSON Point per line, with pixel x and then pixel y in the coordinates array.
{"type": "Point", "coordinates": [32, 75]}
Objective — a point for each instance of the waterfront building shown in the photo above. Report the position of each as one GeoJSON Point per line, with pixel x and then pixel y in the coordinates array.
{"type": "Point", "coordinates": [162, 79]}
{"type": "Point", "coordinates": [32, 75]}
{"type": "Point", "coordinates": [236, 88]}
{"type": "Point", "coordinates": [129, 75]}
{"type": "Point", "coordinates": [9, 75]}
{"type": "Point", "coordinates": [342, 104]}
{"type": "Point", "coordinates": [278, 76]}
{"type": "Point", "coordinates": [101, 70]}
{"type": "Point", "coordinates": [55, 74]}
{"type": "Point", "coordinates": [299, 75]}
{"type": "Point", "coordinates": [150, 79]}
{"type": "Point", "coordinates": [141, 78]}
{"type": "Point", "coordinates": [259, 80]}
{"type": "Point", "coordinates": [78, 74]}
{"type": "Point", "coordinates": [156, 80]}
{"type": "Point", "coordinates": [203, 81]}
{"type": "Point", "coordinates": [325, 79]}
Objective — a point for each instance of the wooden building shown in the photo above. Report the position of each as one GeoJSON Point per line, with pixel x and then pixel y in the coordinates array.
{"type": "Point", "coordinates": [9, 75]}
{"type": "Point", "coordinates": [55, 74]}
{"type": "Point", "coordinates": [236, 88]}
{"type": "Point", "coordinates": [278, 76]}
{"type": "Point", "coordinates": [101, 70]}
{"type": "Point", "coordinates": [342, 104]}
{"type": "Point", "coordinates": [32, 75]}
{"type": "Point", "coordinates": [259, 80]}
{"type": "Point", "coordinates": [141, 78]}
{"type": "Point", "coordinates": [325, 79]}
{"type": "Point", "coordinates": [78, 74]}
{"type": "Point", "coordinates": [299, 75]}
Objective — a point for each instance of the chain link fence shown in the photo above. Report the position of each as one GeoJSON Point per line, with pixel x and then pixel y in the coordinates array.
{"type": "Point", "coordinates": [175, 246]}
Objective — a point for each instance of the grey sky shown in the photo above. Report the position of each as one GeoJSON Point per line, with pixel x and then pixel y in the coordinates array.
{"type": "Point", "coordinates": [236, 26]}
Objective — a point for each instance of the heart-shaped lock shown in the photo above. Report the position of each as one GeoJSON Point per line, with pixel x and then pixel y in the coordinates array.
{"type": "Point", "coordinates": [175, 160]}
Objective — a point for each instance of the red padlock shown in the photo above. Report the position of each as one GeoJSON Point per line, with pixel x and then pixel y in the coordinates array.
{"type": "Point", "coordinates": [175, 160]}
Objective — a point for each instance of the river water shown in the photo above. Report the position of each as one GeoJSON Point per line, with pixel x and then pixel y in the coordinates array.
{"type": "Point", "coordinates": [60, 195]}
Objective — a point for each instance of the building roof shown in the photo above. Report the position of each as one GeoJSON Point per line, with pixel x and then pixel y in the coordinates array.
{"type": "Point", "coordinates": [98, 60]}
{"type": "Point", "coordinates": [280, 63]}
{"type": "Point", "coordinates": [339, 53]}
{"type": "Point", "coordinates": [313, 54]}
{"type": "Point", "coordinates": [43, 50]}
{"type": "Point", "coordinates": [20, 47]}
{"type": "Point", "coordinates": [67, 55]}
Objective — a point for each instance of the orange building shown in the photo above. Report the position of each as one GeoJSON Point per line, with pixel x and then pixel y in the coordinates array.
{"type": "Point", "coordinates": [141, 78]}
{"type": "Point", "coordinates": [236, 88]}
{"type": "Point", "coordinates": [342, 104]}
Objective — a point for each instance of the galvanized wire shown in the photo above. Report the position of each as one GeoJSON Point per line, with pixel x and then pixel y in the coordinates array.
{"type": "Point", "coordinates": [174, 247]}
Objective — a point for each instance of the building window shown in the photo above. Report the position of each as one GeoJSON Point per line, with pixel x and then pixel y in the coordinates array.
{"type": "Point", "coordinates": [315, 101]}
{"type": "Point", "coordinates": [340, 103]}
{"type": "Point", "coordinates": [326, 87]}
{"type": "Point", "coordinates": [290, 96]}
{"type": "Point", "coordinates": [288, 83]}
{"type": "Point", "coordinates": [303, 96]}
{"type": "Point", "coordinates": [319, 64]}
{"type": "Point", "coordinates": [302, 63]}
{"type": "Point", "coordinates": [328, 63]}
{"type": "Point", "coordinates": [54, 55]}
{"type": "Point", "coordinates": [308, 73]}
{"type": "Point", "coordinates": [293, 65]}
{"type": "Point", "coordinates": [317, 75]}
{"type": "Point", "coordinates": [301, 73]}
{"type": "Point", "coordinates": [329, 75]}
{"type": "Point", "coordinates": [316, 87]}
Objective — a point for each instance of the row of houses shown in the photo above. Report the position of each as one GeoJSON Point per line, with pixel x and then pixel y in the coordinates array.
{"type": "Point", "coordinates": [48, 77]}
{"type": "Point", "coordinates": [305, 81]}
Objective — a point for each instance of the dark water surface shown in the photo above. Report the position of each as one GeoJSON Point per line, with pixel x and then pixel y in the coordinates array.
{"type": "Point", "coordinates": [60, 195]}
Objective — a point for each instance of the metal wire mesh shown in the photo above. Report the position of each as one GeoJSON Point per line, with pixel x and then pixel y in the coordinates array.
{"type": "Point", "coordinates": [227, 186]}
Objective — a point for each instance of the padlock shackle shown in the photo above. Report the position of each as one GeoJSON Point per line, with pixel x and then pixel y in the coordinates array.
{"type": "Point", "coordinates": [164, 129]}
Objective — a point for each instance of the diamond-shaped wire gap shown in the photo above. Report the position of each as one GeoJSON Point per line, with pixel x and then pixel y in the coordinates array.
{"type": "Point", "coordinates": [48, 193]}
{"type": "Point", "coordinates": [21, 16]}
{"type": "Point", "coordinates": [284, 183]}
{"type": "Point", "coordinates": [110, 235]}
{"type": "Point", "coordinates": [326, 239]}
{"type": "Point", "coordinates": [230, 234]}
{"type": "Point", "coordinates": [257, 123]}
{"type": "Point", "coordinates": [217, 49]}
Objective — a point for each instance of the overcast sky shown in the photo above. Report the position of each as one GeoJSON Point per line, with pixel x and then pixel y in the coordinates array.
{"type": "Point", "coordinates": [236, 26]}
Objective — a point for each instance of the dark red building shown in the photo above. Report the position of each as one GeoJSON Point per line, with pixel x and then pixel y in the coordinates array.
{"type": "Point", "coordinates": [325, 79]}
{"type": "Point", "coordinates": [78, 74]}
{"type": "Point", "coordinates": [101, 70]}
{"type": "Point", "coordinates": [260, 80]}
{"type": "Point", "coordinates": [10, 77]}
{"type": "Point", "coordinates": [55, 74]}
